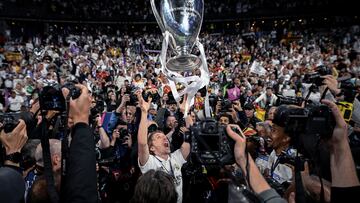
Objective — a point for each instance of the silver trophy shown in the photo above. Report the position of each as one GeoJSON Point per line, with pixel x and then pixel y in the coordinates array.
{"type": "Point", "coordinates": [182, 19]}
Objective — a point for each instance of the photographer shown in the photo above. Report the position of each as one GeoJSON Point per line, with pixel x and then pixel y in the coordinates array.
{"type": "Point", "coordinates": [81, 172]}
{"type": "Point", "coordinates": [154, 149]}
{"type": "Point", "coordinates": [12, 184]}
{"type": "Point", "coordinates": [257, 181]}
{"type": "Point", "coordinates": [280, 142]}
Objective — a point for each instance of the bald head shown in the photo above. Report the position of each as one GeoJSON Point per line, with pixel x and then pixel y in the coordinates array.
{"type": "Point", "coordinates": [55, 152]}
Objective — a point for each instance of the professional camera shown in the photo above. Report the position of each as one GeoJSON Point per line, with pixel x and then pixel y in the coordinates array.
{"type": "Point", "coordinates": [155, 96]}
{"type": "Point", "coordinates": [289, 100]}
{"type": "Point", "coordinates": [315, 78]}
{"type": "Point", "coordinates": [51, 97]}
{"type": "Point", "coordinates": [349, 89]}
{"type": "Point", "coordinates": [211, 144]}
{"type": "Point", "coordinates": [133, 98]}
{"type": "Point", "coordinates": [123, 133]}
{"type": "Point", "coordinates": [280, 188]}
{"type": "Point", "coordinates": [306, 126]}
{"type": "Point", "coordinates": [285, 158]}
{"type": "Point", "coordinates": [226, 105]}
{"type": "Point", "coordinates": [75, 92]}
{"type": "Point", "coordinates": [9, 121]}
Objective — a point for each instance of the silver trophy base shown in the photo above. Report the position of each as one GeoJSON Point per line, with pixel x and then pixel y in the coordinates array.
{"type": "Point", "coordinates": [184, 63]}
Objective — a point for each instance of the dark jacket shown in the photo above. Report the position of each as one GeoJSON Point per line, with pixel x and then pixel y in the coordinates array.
{"type": "Point", "coordinates": [12, 185]}
{"type": "Point", "coordinates": [81, 182]}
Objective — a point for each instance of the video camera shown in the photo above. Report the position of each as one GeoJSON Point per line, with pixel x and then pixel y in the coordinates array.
{"type": "Point", "coordinates": [306, 125]}
{"type": "Point", "coordinates": [225, 103]}
{"type": "Point", "coordinates": [315, 78]}
{"type": "Point", "coordinates": [289, 100]}
{"type": "Point", "coordinates": [211, 143]}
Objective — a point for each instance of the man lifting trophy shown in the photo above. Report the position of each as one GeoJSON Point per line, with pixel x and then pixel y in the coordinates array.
{"type": "Point", "coordinates": [180, 22]}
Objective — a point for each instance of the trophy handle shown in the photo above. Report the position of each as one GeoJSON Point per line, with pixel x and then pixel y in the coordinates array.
{"type": "Point", "coordinates": [161, 25]}
{"type": "Point", "coordinates": [157, 16]}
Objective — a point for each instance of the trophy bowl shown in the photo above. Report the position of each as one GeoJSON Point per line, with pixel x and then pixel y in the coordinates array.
{"type": "Point", "coordinates": [183, 20]}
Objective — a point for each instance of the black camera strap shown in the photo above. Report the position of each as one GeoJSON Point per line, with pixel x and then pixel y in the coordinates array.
{"type": "Point", "coordinates": [48, 171]}
{"type": "Point", "coordinates": [324, 94]}
{"type": "Point", "coordinates": [300, 193]}
{"type": "Point", "coordinates": [319, 172]}
{"type": "Point", "coordinates": [65, 148]}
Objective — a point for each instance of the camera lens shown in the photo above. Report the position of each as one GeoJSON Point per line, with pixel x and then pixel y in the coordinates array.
{"type": "Point", "coordinates": [211, 129]}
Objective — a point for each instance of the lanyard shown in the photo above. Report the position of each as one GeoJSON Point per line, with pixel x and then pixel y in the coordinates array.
{"type": "Point", "coordinates": [274, 165]}
{"type": "Point", "coordinates": [171, 172]}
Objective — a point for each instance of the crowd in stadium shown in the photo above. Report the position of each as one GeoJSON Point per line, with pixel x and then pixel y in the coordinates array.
{"type": "Point", "coordinates": [125, 122]}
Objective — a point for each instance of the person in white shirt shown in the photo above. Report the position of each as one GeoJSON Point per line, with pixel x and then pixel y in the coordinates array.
{"type": "Point", "coordinates": [154, 149]}
{"type": "Point", "coordinates": [120, 79]}
{"type": "Point", "coordinates": [15, 102]}
{"type": "Point", "coordinates": [267, 99]}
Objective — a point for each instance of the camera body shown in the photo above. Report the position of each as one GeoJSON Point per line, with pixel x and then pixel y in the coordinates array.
{"type": "Point", "coordinates": [211, 144]}
{"type": "Point", "coordinates": [226, 105]}
{"type": "Point", "coordinates": [75, 92]}
{"type": "Point", "coordinates": [123, 133]}
{"type": "Point", "coordinates": [155, 96]}
{"type": "Point", "coordinates": [9, 121]}
{"type": "Point", "coordinates": [313, 120]}
{"type": "Point", "coordinates": [315, 78]}
{"type": "Point", "coordinates": [51, 97]}
{"type": "Point", "coordinates": [289, 100]}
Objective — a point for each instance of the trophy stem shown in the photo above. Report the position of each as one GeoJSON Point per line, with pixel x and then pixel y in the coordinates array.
{"type": "Point", "coordinates": [183, 51]}
{"type": "Point", "coordinates": [184, 63]}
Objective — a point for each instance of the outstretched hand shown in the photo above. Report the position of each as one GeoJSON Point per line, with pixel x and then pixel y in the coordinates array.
{"type": "Point", "coordinates": [240, 143]}
{"type": "Point", "coordinates": [340, 131]}
{"type": "Point", "coordinates": [331, 82]}
{"type": "Point", "coordinates": [182, 105]}
{"type": "Point", "coordinates": [16, 139]}
{"type": "Point", "coordinates": [80, 107]}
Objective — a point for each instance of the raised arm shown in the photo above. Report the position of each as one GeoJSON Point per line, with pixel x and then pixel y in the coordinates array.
{"type": "Point", "coordinates": [104, 138]}
{"type": "Point", "coordinates": [343, 172]}
{"type": "Point", "coordinates": [185, 147]}
{"type": "Point", "coordinates": [80, 185]}
{"type": "Point", "coordinates": [257, 181]}
{"type": "Point", "coordinates": [143, 148]}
